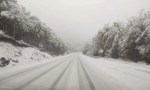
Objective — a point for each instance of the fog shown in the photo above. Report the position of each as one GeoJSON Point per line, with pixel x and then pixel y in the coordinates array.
{"type": "Point", "coordinates": [77, 21]}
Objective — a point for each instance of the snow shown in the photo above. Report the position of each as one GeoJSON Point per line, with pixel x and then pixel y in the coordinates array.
{"type": "Point", "coordinates": [18, 55]}
{"type": "Point", "coordinates": [1, 32]}
{"type": "Point", "coordinates": [6, 14]}
{"type": "Point", "coordinates": [134, 76]}
{"type": "Point", "coordinates": [77, 72]}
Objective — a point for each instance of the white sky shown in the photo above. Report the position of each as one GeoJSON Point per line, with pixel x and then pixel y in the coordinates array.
{"type": "Point", "coordinates": [77, 21]}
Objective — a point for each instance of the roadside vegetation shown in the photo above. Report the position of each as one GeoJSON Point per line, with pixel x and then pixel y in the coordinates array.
{"type": "Point", "coordinates": [130, 41]}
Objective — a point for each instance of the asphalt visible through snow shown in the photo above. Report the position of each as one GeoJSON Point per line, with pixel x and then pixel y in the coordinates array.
{"type": "Point", "coordinates": [76, 72]}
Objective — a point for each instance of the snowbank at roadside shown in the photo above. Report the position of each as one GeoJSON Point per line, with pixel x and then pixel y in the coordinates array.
{"type": "Point", "coordinates": [21, 55]}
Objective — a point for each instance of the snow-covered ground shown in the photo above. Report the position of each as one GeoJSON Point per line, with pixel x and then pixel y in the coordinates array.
{"type": "Point", "coordinates": [21, 55]}
{"type": "Point", "coordinates": [132, 76]}
{"type": "Point", "coordinates": [77, 72]}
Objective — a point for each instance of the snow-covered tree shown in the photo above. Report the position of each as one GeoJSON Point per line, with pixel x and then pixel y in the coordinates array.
{"type": "Point", "coordinates": [129, 41]}
{"type": "Point", "coordinates": [19, 24]}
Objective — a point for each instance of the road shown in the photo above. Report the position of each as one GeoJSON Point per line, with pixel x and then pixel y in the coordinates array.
{"type": "Point", "coordinates": [76, 72]}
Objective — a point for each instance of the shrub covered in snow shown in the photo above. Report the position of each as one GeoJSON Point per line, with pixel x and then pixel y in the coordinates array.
{"type": "Point", "coordinates": [4, 62]}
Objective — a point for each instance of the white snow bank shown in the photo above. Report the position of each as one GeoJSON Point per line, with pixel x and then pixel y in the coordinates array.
{"type": "Point", "coordinates": [18, 55]}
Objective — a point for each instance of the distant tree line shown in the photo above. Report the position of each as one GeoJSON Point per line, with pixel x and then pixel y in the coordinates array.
{"type": "Point", "coordinates": [16, 22]}
{"type": "Point", "coordinates": [129, 40]}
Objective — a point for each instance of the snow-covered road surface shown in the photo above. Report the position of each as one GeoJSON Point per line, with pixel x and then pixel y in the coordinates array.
{"type": "Point", "coordinates": [76, 72]}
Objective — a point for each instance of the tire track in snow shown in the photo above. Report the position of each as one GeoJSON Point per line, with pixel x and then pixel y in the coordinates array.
{"type": "Point", "coordinates": [84, 85]}
{"type": "Point", "coordinates": [34, 79]}
{"type": "Point", "coordinates": [87, 76]}
{"type": "Point", "coordinates": [30, 69]}
{"type": "Point", "coordinates": [60, 76]}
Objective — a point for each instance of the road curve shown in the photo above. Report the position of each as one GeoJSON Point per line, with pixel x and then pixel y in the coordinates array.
{"type": "Point", "coordinates": [75, 72]}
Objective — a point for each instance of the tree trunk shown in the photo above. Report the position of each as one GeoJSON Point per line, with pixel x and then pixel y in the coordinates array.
{"type": "Point", "coordinates": [14, 32]}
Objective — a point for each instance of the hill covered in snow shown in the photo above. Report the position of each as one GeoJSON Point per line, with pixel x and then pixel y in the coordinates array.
{"type": "Point", "coordinates": [24, 38]}
{"type": "Point", "coordinates": [14, 53]}
{"type": "Point", "coordinates": [19, 24]}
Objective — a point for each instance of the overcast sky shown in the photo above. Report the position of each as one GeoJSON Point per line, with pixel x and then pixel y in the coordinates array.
{"type": "Point", "coordinates": [77, 21]}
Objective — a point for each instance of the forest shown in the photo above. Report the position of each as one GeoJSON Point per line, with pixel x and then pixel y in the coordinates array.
{"type": "Point", "coordinates": [129, 41]}
{"type": "Point", "coordinates": [18, 23]}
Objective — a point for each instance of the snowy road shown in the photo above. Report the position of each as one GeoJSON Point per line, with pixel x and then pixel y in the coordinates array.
{"type": "Point", "coordinates": [76, 72]}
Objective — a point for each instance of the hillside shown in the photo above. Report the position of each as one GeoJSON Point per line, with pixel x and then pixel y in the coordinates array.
{"type": "Point", "coordinates": [19, 24]}
{"type": "Point", "coordinates": [14, 53]}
